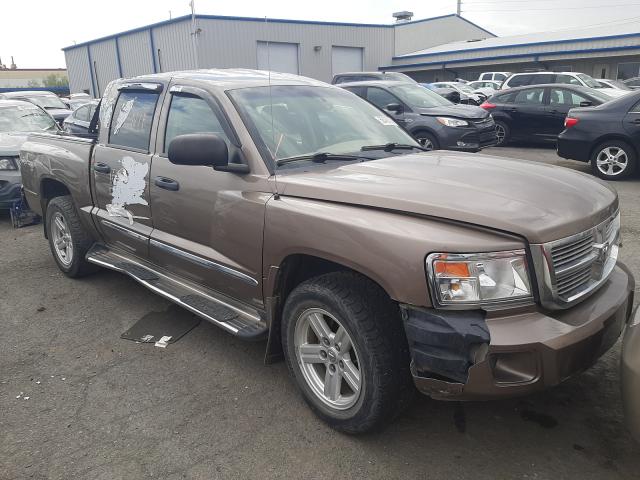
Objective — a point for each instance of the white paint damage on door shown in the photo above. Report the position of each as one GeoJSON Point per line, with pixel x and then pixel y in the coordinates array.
{"type": "Point", "coordinates": [129, 184]}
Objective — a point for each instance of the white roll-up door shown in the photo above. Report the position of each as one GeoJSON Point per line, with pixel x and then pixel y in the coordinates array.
{"type": "Point", "coordinates": [278, 57]}
{"type": "Point", "coordinates": [346, 59]}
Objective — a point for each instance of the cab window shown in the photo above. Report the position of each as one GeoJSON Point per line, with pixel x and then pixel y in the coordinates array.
{"type": "Point", "coordinates": [132, 120]}
{"type": "Point", "coordinates": [191, 114]}
{"type": "Point", "coordinates": [500, 77]}
{"type": "Point", "coordinates": [520, 80]}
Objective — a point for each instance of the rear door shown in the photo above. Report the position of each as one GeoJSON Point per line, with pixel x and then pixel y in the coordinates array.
{"type": "Point", "coordinates": [121, 165]}
{"type": "Point", "coordinates": [632, 125]}
{"type": "Point", "coordinates": [208, 224]}
{"type": "Point", "coordinates": [561, 100]}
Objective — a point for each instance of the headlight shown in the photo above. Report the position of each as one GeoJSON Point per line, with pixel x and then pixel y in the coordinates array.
{"type": "Point", "coordinates": [452, 122]}
{"type": "Point", "coordinates": [8, 163]}
{"type": "Point", "coordinates": [479, 278]}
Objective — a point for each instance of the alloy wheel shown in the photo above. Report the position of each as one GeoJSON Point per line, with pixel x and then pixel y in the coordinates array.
{"type": "Point", "coordinates": [62, 243]}
{"type": "Point", "coordinates": [328, 359]}
{"type": "Point", "coordinates": [500, 133]}
{"type": "Point", "coordinates": [426, 143]}
{"type": "Point", "coordinates": [612, 161]}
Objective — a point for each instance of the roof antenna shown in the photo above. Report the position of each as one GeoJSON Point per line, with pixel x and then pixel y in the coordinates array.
{"type": "Point", "coordinates": [273, 131]}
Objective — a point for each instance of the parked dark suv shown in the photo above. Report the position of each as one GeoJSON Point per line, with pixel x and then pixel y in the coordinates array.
{"type": "Point", "coordinates": [433, 120]}
{"type": "Point", "coordinates": [347, 77]}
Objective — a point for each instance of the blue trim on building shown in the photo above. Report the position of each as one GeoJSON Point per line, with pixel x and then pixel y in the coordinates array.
{"type": "Point", "coordinates": [153, 51]}
{"type": "Point", "coordinates": [534, 55]}
{"type": "Point", "coordinates": [93, 81]}
{"type": "Point", "coordinates": [118, 58]}
{"type": "Point", "coordinates": [518, 45]}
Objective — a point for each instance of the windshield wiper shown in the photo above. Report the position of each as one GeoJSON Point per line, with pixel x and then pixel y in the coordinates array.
{"type": "Point", "coordinates": [321, 157]}
{"type": "Point", "coordinates": [389, 147]}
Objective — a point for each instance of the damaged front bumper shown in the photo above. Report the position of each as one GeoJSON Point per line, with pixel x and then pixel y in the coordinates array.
{"type": "Point", "coordinates": [473, 355]}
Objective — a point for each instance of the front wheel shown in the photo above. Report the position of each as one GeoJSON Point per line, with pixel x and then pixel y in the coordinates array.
{"type": "Point", "coordinates": [427, 140]}
{"type": "Point", "coordinates": [502, 134]}
{"type": "Point", "coordinates": [614, 160]}
{"type": "Point", "coordinates": [345, 347]}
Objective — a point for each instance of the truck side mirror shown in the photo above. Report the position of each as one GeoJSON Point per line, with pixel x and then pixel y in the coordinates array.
{"type": "Point", "coordinates": [394, 107]}
{"type": "Point", "coordinates": [205, 149]}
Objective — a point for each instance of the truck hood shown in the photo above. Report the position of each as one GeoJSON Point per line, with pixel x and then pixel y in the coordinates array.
{"type": "Point", "coordinates": [536, 201]}
{"type": "Point", "coordinates": [10, 143]}
{"type": "Point", "coordinates": [458, 111]}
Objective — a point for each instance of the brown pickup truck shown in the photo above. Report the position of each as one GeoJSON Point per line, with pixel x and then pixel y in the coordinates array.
{"type": "Point", "coordinates": [284, 208]}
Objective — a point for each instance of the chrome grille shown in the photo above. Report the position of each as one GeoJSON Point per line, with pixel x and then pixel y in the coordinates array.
{"type": "Point", "coordinates": [573, 267]}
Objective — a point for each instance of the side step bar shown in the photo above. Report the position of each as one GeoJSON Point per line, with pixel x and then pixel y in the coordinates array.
{"type": "Point", "coordinates": [240, 321]}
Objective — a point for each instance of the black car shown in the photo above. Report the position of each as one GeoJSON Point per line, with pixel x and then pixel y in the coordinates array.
{"type": "Point", "coordinates": [434, 121]}
{"type": "Point", "coordinates": [347, 77]}
{"type": "Point", "coordinates": [78, 122]}
{"type": "Point", "coordinates": [537, 113]}
{"type": "Point", "coordinates": [608, 136]}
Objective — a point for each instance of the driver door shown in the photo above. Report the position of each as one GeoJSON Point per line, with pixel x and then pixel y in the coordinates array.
{"type": "Point", "coordinates": [381, 98]}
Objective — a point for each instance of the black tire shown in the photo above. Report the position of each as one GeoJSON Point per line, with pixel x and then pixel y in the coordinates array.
{"type": "Point", "coordinates": [614, 146]}
{"type": "Point", "coordinates": [425, 138]}
{"type": "Point", "coordinates": [81, 241]}
{"type": "Point", "coordinates": [374, 324]}
{"type": "Point", "coordinates": [504, 139]}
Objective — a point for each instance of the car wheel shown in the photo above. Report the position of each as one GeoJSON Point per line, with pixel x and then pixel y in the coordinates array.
{"type": "Point", "coordinates": [427, 140]}
{"type": "Point", "coordinates": [68, 240]}
{"type": "Point", "coordinates": [613, 160]}
{"type": "Point", "coordinates": [345, 347]}
{"type": "Point", "coordinates": [502, 134]}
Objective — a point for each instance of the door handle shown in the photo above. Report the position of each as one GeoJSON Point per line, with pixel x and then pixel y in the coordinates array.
{"type": "Point", "coordinates": [636, 121]}
{"type": "Point", "coordinates": [167, 183]}
{"type": "Point", "coordinates": [512, 110]}
{"type": "Point", "coordinates": [102, 168]}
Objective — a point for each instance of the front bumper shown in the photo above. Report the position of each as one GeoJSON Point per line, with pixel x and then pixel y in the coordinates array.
{"type": "Point", "coordinates": [10, 184]}
{"type": "Point", "coordinates": [630, 375]}
{"type": "Point", "coordinates": [469, 139]}
{"type": "Point", "coordinates": [468, 355]}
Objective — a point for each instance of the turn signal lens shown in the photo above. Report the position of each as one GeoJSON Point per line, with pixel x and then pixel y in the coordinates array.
{"type": "Point", "coordinates": [570, 122]}
{"type": "Point", "coordinates": [451, 269]}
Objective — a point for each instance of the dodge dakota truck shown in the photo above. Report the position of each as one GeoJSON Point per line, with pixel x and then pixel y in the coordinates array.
{"type": "Point", "coordinates": [282, 208]}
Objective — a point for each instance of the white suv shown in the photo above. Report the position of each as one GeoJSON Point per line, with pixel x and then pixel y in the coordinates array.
{"type": "Point", "coordinates": [494, 76]}
{"type": "Point", "coordinates": [571, 78]}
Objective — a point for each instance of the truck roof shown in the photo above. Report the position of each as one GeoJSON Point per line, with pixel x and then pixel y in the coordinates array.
{"type": "Point", "coordinates": [233, 78]}
{"type": "Point", "coordinates": [8, 103]}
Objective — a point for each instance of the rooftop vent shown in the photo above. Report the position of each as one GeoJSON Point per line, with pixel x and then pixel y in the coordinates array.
{"type": "Point", "coordinates": [403, 16]}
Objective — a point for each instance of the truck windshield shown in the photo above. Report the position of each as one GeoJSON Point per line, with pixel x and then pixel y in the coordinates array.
{"type": "Point", "coordinates": [300, 120]}
{"type": "Point", "coordinates": [26, 118]}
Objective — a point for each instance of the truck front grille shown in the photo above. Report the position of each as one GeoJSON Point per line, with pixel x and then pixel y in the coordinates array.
{"type": "Point", "coordinates": [575, 266]}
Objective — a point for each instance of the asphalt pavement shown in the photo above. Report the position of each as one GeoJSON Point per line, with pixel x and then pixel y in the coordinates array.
{"type": "Point", "coordinates": [79, 402]}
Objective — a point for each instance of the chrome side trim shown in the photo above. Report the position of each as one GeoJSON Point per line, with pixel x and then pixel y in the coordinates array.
{"type": "Point", "coordinates": [204, 262]}
{"type": "Point", "coordinates": [166, 295]}
{"type": "Point", "coordinates": [126, 231]}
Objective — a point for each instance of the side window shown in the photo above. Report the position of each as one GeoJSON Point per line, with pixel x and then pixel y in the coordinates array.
{"type": "Point", "coordinates": [519, 80]}
{"type": "Point", "coordinates": [485, 76]}
{"type": "Point", "coordinates": [380, 98]}
{"type": "Point", "coordinates": [635, 108]}
{"type": "Point", "coordinates": [357, 90]}
{"type": "Point", "coordinates": [530, 96]}
{"type": "Point", "coordinates": [500, 77]}
{"type": "Point", "coordinates": [132, 119]}
{"type": "Point", "coordinates": [571, 80]}
{"type": "Point", "coordinates": [540, 79]}
{"type": "Point", "coordinates": [504, 97]}
{"type": "Point", "coordinates": [189, 114]}
{"type": "Point", "coordinates": [82, 113]}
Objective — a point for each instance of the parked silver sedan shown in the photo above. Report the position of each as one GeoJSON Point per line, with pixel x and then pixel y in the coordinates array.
{"type": "Point", "coordinates": [631, 374]}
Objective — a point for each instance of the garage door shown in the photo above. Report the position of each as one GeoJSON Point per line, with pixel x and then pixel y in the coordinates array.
{"type": "Point", "coordinates": [346, 59]}
{"type": "Point", "coordinates": [278, 57]}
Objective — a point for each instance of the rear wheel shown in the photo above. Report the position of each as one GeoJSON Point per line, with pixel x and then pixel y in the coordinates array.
{"type": "Point", "coordinates": [345, 347]}
{"type": "Point", "coordinates": [427, 140]}
{"type": "Point", "coordinates": [614, 160]}
{"type": "Point", "coordinates": [68, 240]}
{"type": "Point", "coordinates": [502, 133]}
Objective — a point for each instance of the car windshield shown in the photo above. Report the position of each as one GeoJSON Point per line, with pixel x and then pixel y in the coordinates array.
{"type": "Point", "coordinates": [601, 95]}
{"type": "Point", "coordinates": [419, 97]}
{"type": "Point", "coordinates": [27, 118]}
{"type": "Point", "coordinates": [589, 81]}
{"type": "Point", "coordinates": [292, 121]}
{"type": "Point", "coordinates": [47, 101]}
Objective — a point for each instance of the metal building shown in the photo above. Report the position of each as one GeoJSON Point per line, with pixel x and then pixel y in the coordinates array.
{"type": "Point", "coordinates": [609, 50]}
{"type": "Point", "coordinates": [314, 49]}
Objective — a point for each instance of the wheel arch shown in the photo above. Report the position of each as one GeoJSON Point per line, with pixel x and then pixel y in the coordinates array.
{"type": "Point", "coordinates": [50, 188]}
{"type": "Point", "coordinates": [610, 137]}
{"type": "Point", "coordinates": [294, 269]}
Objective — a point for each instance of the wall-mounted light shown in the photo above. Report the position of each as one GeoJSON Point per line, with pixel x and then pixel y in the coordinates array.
{"type": "Point", "coordinates": [317, 48]}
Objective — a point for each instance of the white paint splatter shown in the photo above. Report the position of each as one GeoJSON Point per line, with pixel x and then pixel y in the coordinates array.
{"type": "Point", "coordinates": [123, 114]}
{"type": "Point", "coordinates": [129, 185]}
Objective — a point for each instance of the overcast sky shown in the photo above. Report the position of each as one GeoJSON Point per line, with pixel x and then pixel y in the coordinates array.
{"type": "Point", "coordinates": [34, 31]}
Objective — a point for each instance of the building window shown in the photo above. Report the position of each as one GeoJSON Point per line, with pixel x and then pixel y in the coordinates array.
{"type": "Point", "coordinates": [628, 70]}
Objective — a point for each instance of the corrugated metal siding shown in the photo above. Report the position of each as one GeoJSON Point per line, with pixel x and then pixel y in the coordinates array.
{"type": "Point", "coordinates": [135, 54]}
{"type": "Point", "coordinates": [78, 70]}
{"type": "Point", "coordinates": [415, 36]}
{"type": "Point", "coordinates": [175, 46]}
{"type": "Point", "coordinates": [227, 44]}
{"type": "Point", "coordinates": [105, 64]}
